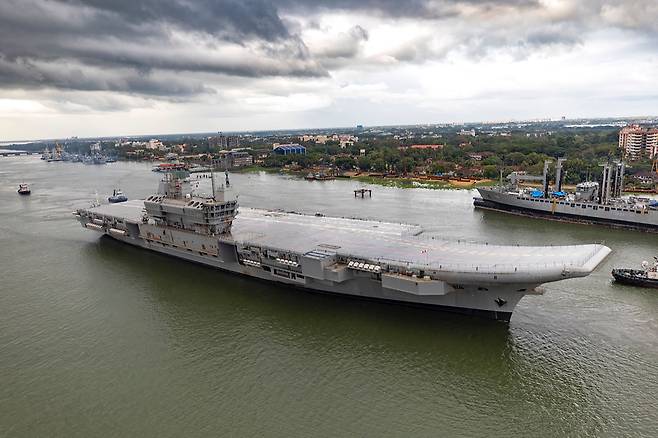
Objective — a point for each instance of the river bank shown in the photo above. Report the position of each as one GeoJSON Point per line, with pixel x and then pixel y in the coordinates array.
{"type": "Point", "coordinates": [402, 182]}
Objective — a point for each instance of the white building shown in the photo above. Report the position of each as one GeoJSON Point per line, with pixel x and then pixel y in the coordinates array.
{"type": "Point", "coordinates": [637, 141]}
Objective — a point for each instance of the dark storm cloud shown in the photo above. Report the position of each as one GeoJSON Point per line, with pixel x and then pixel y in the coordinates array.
{"type": "Point", "coordinates": [60, 44]}
{"type": "Point", "coordinates": [228, 19]}
{"type": "Point", "coordinates": [142, 46]}
{"type": "Point", "coordinates": [22, 73]}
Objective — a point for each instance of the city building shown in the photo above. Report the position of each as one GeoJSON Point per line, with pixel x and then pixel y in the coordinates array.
{"type": "Point", "coordinates": [470, 132]}
{"type": "Point", "coordinates": [222, 141]}
{"type": "Point", "coordinates": [154, 144]}
{"type": "Point", "coordinates": [235, 158]}
{"type": "Point", "coordinates": [637, 141]}
{"type": "Point", "coordinates": [343, 140]}
{"type": "Point", "coordinates": [289, 149]}
{"type": "Point", "coordinates": [425, 146]}
{"type": "Point", "coordinates": [346, 140]}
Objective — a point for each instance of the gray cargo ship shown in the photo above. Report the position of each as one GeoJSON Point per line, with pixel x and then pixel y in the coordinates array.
{"type": "Point", "coordinates": [593, 202]}
{"type": "Point", "coordinates": [362, 258]}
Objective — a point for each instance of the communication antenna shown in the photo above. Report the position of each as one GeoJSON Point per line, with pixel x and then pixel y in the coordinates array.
{"type": "Point", "coordinates": [228, 183]}
{"type": "Point", "coordinates": [212, 176]}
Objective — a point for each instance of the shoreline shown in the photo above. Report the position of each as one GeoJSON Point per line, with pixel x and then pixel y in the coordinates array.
{"type": "Point", "coordinates": [397, 182]}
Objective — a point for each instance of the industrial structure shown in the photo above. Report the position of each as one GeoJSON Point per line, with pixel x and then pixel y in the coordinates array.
{"type": "Point", "coordinates": [289, 149]}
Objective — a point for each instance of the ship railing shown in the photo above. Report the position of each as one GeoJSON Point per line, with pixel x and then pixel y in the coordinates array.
{"type": "Point", "coordinates": [473, 242]}
{"type": "Point", "coordinates": [401, 266]}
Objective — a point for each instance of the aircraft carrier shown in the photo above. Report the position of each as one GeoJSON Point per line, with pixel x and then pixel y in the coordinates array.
{"type": "Point", "coordinates": [593, 202]}
{"type": "Point", "coordinates": [362, 258]}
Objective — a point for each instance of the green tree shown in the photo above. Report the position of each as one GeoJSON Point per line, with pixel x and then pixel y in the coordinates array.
{"type": "Point", "coordinates": [364, 163]}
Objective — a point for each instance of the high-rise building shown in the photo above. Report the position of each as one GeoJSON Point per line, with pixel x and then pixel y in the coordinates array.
{"type": "Point", "coordinates": [637, 141]}
{"type": "Point", "coordinates": [222, 141]}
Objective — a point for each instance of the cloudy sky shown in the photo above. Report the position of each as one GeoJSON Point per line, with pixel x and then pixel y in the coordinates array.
{"type": "Point", "coordinates": [99, 67]}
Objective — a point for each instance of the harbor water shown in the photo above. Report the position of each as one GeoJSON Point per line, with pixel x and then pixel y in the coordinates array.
{"type": "Point", "coordinates": [99, 338]}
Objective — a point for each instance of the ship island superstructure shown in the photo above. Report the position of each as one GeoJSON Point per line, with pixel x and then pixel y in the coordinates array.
{"type": "Point", "coordinates": [354, 257]}
{"type": "Point", "coordinates": [593, 202]}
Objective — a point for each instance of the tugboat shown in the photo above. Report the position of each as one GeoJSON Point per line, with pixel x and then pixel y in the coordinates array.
{"type": "Point", "coordinates": [117, 196]}
{"type": "Point", "coordinates": [645, 277]}
{"type": "Point", "coordinates": [24, 189]}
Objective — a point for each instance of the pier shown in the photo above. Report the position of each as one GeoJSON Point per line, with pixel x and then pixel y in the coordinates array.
{"type": "Point", "coordinates": [362, 192]}
{"type": "Point", "coordinates": [13, 153]}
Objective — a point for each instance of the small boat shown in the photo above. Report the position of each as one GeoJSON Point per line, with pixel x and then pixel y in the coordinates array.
{"type": "Point", "coordinates": [169, 167]}
{"type": "Point", "coordinates": [645, 277]}
{"type": "Point", "coordinates": [117, 196]}
{"type": "Point", "coordinates": [318, 177]}
{"type": "Point", "coordinates": [24, 189]}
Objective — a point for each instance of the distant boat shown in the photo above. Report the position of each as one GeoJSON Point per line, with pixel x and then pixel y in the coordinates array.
{"type": "Point", "coordinates": [56, 154]}
{"type": "Point", "coordinates": [117, 196]}
{"type": "Point", "coordinates": [94, 159]}
{"type": "Point", "coordinates": [24, 189]}
{"type": "Point", "coordinates": [169, 167]}
{"type": "Point", "coordinates": [318, 177]}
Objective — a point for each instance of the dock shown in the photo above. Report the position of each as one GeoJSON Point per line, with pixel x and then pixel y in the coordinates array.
{"type": "Point", "coordinates": [15, 153]}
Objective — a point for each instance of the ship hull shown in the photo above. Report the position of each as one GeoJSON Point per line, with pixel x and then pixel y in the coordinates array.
{"type": "Point", "coordinates": [571, 212]}
{"type": "Point", "coordinates": [471, 302]}
{"type": "Point", "coordinates": [366, 292]}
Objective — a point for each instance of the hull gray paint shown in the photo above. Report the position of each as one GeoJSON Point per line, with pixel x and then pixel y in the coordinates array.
{"type": "Point", "coordinates": [574, 212]}
{"type": "Point", "coordinates": [468, 302]}
{"type": "Point", "coordinates": [503, 316]}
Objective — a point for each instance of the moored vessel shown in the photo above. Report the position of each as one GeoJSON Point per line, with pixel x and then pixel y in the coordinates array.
{"type": "Point", "coordinates": [170, 167]}
{"type": "Point", "coordinates": [592, 203]}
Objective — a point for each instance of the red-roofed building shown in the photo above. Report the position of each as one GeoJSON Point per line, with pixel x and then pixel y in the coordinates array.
{"type": "Point", "coordinates": [422, 146]}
